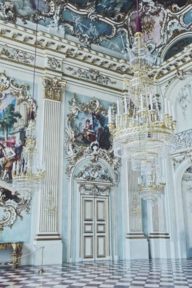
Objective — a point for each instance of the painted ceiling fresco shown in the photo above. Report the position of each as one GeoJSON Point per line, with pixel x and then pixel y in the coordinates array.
{"type": "Point", "coordinates": [108, 23]}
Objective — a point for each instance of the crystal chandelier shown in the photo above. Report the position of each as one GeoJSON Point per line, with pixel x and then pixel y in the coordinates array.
{"type": "Point", "coordinates": [143, 123]}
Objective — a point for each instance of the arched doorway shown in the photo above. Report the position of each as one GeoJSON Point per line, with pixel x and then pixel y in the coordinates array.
{"type": "Point", "coordinates": [92, 220]}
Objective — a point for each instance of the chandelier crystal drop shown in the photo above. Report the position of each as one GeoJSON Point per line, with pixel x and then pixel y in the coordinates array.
{"type": "Point", "coordinates": [143, 123]}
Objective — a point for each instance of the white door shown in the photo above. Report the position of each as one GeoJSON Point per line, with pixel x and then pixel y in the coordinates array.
{"type": "Point", "coordinates": [94, 227]}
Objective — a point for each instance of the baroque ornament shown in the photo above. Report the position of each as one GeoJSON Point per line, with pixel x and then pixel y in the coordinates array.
{"type": "Point", "coordinates": [53, 88]}
{"type": "Point", "coordinates": [12, 205]}
{"type": "Point", "coordinates": [54, 63]}
{"type": "Point", "coordinates": [183, 140]}
{"type": "Point", "coordinates": [21, 90]}
{"type": "Point", "coordinates": [92, 75]}
{"type": "Point", "coordinates": [94, 189]}
{"type": "Point", "coordinates": [17, 55]}
{"type": "Point", "coordinates": [94, 173]}
{"type": "Point", "coordinates": [87, 135]}
{"type": "Point", "coordinates": [184, 97]}
{"type": "Point", "coordinates": [8, 11]}
{"type": "Point", "coordinates": [15, 150]}
{"type": "Point", "coordinates": [108, 23]}
{"type": "Point", "coordinates": [179, 158]}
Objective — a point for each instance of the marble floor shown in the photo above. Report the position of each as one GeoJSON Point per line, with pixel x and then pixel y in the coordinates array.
{"type": "Point", "coordinates": [121, 274]}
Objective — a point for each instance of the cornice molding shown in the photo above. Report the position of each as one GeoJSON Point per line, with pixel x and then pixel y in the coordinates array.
{"type": "Point", "coordinates": [58, 50]}
{"type": "Point", "coordinates": [59, 45]}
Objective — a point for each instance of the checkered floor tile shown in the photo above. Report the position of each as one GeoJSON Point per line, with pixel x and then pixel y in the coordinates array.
{"type": "Point", "coordinates": [107, 274]}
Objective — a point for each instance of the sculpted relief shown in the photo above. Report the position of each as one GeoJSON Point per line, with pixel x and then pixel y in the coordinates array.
{"type": "Point", "coordinates": [184, 105]}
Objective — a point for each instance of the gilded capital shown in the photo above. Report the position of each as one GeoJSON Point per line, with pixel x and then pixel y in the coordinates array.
{"type": "Point", "coordinates": [54, 88]}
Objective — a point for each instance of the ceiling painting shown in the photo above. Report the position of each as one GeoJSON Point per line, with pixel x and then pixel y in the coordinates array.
{"type": "Point", "coordinates": [107, 23]}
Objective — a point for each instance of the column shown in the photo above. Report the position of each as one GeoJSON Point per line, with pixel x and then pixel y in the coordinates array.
{"type": "Point", "coordinates": [48, 235]}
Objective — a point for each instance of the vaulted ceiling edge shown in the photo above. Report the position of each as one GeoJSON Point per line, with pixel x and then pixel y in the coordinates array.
{"type": "Point", "coordinates": [108, 23]}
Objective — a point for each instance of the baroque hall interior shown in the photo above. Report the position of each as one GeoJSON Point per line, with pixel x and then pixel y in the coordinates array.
{"type": "Point", "coordinates": [95, 139]}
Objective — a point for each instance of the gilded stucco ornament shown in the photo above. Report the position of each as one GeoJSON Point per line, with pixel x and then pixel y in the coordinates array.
{"type": "Point", "coordinates": [183, 140]}
{"type": "Point", "coordinates": [12, 205]}
{"type": "Point", "coordinates": [92, 75]}
{"type": "Point", "coordinates": [108, 23]}
{"type": "Point", "coordinates": [16, 55]}
{"type": "Point", "coordinates": [8, 11]}
{"type": "Point", "coordinates": [20, 90]}
{"type": "Point", "coordinates": [180, 157]}
{"type": "Point", "coordinates": [53, 88]}
{"type": "Point", "coordinates": [87, 135]}
{"type": "Point", "coordinates": [94, 172]}
{"type": "Point", "coordinates": [94, 179]}
{"type": "Point", "coordinates": [54, 63]}
{"type": "Point", "coordinates": [94, 189]}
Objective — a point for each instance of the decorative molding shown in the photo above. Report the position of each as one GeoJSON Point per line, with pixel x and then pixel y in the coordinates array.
{"type": "Point", "coordinates": [101, 22]}
{"type": "Point", "coordinates": [184, 98]}
{"type": "Point", "coordinates": [135, 235]}
{"type": "Point", "coordinates": [8, 11]}
{"type": "Point", "coordinates": [187, 177]}
{"type": "Point", "coordinates": [179, 157]}
{"type": "Point", "coordinates": [54, 63]}
{"type": "Point", "coordinates": [94, 172]}
{"type": "Point", "coordinates": [71, 50]}
{"type": "Point", "coordinates": [62, 47]}
{"type": "Point", "coordinates": [94, 189]}
{"type": "Point", "coordinates": [91, 75]}
{"type": "Point", "coordinates": [174, 67]}
{"type": "Point", "coordinates": [12, 205]}
{"type": "Point", "coordinates": [20, 90]}
{"type": "Point", "coordinates": [182, 148]}
{"type": "Point", "coordinates": [91, 148]}
{"type": "Point", "coordinates": [183, 140]}
{"type": "Point", "coordinates": [54, 88]}
{"type": "Point", "coordinates": [94, 154]}
{"type": "Point", "coordinates": [17, 55]}
{"type": "Point", "coordinates": [158, 235]}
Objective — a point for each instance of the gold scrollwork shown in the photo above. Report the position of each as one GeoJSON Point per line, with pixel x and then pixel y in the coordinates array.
{"type": "Point", "coordinates": [54, 88]}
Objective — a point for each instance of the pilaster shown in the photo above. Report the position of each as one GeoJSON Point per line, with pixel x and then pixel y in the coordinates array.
{"type": "Point", "coordinates": [48, 229]}
{"type": "Point", "coordinates": [136, 243]}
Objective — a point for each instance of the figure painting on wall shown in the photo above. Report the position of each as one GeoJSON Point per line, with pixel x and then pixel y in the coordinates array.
{"type": "Point", "coordinates": [17, 110]}
{"type": "Point", "coordinates": [88, 132]}
{"type": "Point", "coordinates": [92, 127]}
{"type": "Point", "coordinates": [88, 122]}
{"type": "Point", "coordinates": [7, 158]}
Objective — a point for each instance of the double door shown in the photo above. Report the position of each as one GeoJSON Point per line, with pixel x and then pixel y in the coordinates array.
{"type": "Point", "coordinates": [94, 227]}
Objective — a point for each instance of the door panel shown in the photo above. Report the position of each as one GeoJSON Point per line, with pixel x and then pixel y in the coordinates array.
{"type": "Point", "coordinates": [94, 231]}
{"type": "Point", "coordinates": [88, 246]}
{"type": "Point", "coordinates": [88, 209]}
{"type": "Point", "coordinates": [100, 205]}
{"type": "Point", "coordinates": [101, 247]}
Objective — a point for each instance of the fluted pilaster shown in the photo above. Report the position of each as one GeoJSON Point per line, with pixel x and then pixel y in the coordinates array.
{"type": "Point", "coordinates": [49, 198]}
